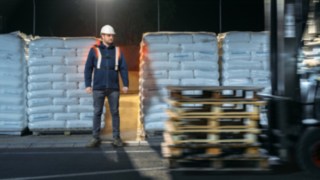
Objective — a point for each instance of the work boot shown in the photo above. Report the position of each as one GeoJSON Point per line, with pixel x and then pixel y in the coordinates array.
{"type": "Point", "coordinates": [117, 142]}
{"type": "Point", "coordinates": [94, 143]}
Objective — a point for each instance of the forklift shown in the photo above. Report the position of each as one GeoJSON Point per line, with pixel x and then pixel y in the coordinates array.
{"type": "Point", "coordinates": [292, 131]}
{"type": "Point", "coordinates": [293, 109]}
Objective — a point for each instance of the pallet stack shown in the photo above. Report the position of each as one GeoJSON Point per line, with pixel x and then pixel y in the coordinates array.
{"type": "Point", "coordinates": [13, 117]}
{"type": "Point", "coordinates": [218, 128]}
{"type": "Point", "coordinates": [57, 101]}
{"type": "Point", "coordinates": [172, 59]}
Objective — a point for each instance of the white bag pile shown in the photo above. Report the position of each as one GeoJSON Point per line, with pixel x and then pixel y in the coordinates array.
{"type": "Point", "coordinates": [245, 59]}
{"type": "Point", "coordinates": [309, 58]}
{"type": "Point", "coordinates": [13, 119]}
{"type": "Point", "coordinates": [173, 58]}
{"type": "Point", "coordinates": [56, 95]}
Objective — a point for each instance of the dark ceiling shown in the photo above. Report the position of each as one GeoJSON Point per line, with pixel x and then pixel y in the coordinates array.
{"type": "Point", "coordinates": [130, 18]}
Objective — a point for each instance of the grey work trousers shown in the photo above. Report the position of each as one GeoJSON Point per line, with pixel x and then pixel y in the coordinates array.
{"type": "Point", "coordinates": [98, 104]}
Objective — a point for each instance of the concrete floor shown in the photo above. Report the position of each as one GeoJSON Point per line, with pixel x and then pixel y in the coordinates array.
{"type": "Point", "coordinates": [60, 157]}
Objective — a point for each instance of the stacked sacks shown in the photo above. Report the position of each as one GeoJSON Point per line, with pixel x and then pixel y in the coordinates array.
{"type": "Point", "coordinates": [245, 59]}
{"type": "Point", "coordinates": [173, 58]}
{"type": "Point", "coordinates": [13, 118]}
{"type": "Point", "coordinates": [309, 57]}
{"type": "Point", "coordinates": [56, 95]}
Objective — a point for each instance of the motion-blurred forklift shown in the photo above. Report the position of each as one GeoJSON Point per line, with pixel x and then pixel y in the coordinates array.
{"type": "Point", "coordinates": [200, 129]}
{"type": "Point", "coordinates": [293, 130]}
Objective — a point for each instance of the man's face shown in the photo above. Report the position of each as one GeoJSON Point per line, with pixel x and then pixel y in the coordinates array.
{"type": "Point", "coordinates": [107, 38]}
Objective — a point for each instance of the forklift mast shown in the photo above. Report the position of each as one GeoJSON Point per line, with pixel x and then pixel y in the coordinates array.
{"type": "Point", "coordinates": [286, 21]}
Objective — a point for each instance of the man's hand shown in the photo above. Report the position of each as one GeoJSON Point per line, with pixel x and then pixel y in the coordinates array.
{"type": "Point", "coordinates": [125, 89]}
{"type": "Point", "coordinates": [88, 90]}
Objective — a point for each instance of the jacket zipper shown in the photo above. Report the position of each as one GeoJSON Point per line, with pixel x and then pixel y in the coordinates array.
{"type": "Point", "coordinates": [107, 69]}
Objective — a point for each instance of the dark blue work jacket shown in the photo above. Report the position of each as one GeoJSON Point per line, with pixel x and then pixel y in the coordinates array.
{"type": "Point", "coordinates": [105, 77]}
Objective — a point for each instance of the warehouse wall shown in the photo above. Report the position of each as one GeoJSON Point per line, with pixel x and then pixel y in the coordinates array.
{"type": "Point", "coordinates": [131, 18]}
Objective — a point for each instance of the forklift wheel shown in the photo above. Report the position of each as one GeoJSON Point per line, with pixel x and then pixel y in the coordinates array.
{"type": "Point", "coordinates": [308, 151]}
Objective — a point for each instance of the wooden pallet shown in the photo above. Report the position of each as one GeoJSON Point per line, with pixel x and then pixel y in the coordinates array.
{"type": "Point", "coordinates": [203, 107]}
{"type": "Point", "coordinates": [176, 117]}
{"type": "Point", "coordinates": [211, 101]}
{"type": "Point", "coordinates": [176, 151]}
{"type": "Point", "coordinates": [218, 126]}
{"type": "Point", "coordinates": [14, 132]}
{"type": "Point", "coordinates": [18, 133]}
{"type": "Point", "coordinates": [173, 128]}
{"type": "Point", "coordinates": [39, 132]}
{"type": "Point", "coordinates": [216, 108]}
{"type": "Point", "coordinates": [218, 123]}
{"type": "Point", "coordinates": [216, 92]}
{"type": "Point", "coordinates": [210, 138]}
{"type": "Point", "coordinates": [222, 164]}
{"type": "Point", "coordinates": [212, 115]}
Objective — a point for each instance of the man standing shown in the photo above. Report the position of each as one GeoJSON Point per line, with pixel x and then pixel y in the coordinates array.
{"type": "Point", "coordinates": [105, 61]}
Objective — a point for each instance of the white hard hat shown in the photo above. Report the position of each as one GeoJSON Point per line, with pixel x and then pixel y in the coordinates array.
{"type": "Point", "coordinates": [107, 29]}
